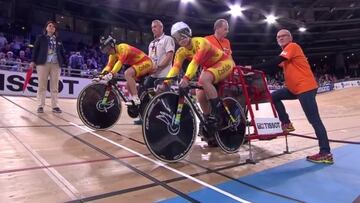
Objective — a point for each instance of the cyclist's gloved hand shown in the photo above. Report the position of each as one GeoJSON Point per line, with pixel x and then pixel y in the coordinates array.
{"type": "Point", "coordinates": [107, 77]}
{"type": "Point", "coordinates": [96, 79]}
{"type": "Point", "coordinates": [184, 82]}
{"type": "Point", "coordinates": [184, 86]}
{"type": "Point", "coordinates": [162, 87]}
{"type": "Point", "coordinates": [99, 77]}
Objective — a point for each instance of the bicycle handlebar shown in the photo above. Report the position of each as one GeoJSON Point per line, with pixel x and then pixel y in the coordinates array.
{"type": "Point", "coordinates": [161, 79]}
{"type": "Point", "coordinates": [194, 85]}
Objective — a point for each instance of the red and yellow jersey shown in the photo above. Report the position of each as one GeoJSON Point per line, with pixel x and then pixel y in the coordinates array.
{"type": "Point", "coordinates": [125, 54]}
{"type": "Point", "coordinates": [202, 53]}
{"type": "Point", "coordinates": [297, 72]}
{"type": "Point", "coordinates": [223, 44]}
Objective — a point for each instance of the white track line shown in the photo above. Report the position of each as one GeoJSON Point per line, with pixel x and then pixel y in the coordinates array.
{"type": "Point", "coordinates": [165, 166]}
{"type": "Point", "coordinates": [65, 185]}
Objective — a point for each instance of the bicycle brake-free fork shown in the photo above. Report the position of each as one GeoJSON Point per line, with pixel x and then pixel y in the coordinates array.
{"type": "Point", "coordinates": [106, 96]}
{"type": "Point", "coordinates": [180, 105]}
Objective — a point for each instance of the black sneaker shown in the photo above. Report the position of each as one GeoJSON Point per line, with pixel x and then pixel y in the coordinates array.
{"type": "Point", "coordinates": [56, 110]}
{"type": "Point", "coordinates": [212, 143]}
{"type": "Point", "coordinates": [207, 136]}
{"type": "Point", "coordinates": [40, 110]}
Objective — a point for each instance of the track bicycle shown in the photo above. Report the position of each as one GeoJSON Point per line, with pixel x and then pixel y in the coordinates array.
{"type": "Point", "coordinates": [169, 126]}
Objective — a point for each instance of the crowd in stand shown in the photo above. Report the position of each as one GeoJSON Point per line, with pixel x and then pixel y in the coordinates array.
{"type": "Point", "coordinates": [15, 54]}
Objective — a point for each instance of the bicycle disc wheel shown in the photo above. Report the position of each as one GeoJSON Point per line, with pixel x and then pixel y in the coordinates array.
{"type": "Point", "coordinates": [232, 135]}
{"type": "Point", "coordinates": [166, 141]}
{"type": "Point", "coordinates": [92, 112]}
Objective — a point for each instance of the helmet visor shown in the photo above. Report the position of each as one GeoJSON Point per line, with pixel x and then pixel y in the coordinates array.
{"type": "Point", "coordinates": [106, 48]}
{"type": "Point", "coordinates": [179, 36]}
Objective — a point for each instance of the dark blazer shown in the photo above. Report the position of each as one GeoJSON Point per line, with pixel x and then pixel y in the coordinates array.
{"type": "Point", "coordinates": [39, 54]}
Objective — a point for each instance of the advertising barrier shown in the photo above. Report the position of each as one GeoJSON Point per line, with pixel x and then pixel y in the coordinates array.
{"type": "Point", "coordinates": [11, 83]}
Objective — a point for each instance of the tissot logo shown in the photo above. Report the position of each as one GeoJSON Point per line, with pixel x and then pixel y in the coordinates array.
{"type": "Point", "coordinates": [15, 83]}
{"type": "Point", "coordinates": [267, 125]}
{"type": "Point", "coordinates": [11, 83]}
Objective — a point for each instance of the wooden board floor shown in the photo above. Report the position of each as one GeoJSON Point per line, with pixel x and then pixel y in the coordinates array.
{"type": "Point", "coordinates": [50, 158]}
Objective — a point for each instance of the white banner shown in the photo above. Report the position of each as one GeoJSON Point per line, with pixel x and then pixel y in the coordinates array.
{"type": "Point", "coordinates": [11, 83]}
{"type": "Point", "coordinates": [268, 126]}
{"type": "Point", "coordinates": [346, 84]}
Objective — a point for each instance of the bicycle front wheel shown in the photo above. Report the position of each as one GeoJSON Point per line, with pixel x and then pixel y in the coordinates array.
{"type": "Point", "coordinates": [96, 113]}
{"type": "Point", "coordinates": [167, 141]}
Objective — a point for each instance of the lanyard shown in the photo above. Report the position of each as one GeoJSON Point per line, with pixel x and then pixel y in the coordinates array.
{"type": "Point", "coordinates": [219, 43]}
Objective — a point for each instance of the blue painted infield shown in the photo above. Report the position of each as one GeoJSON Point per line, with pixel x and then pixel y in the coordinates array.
{"type": "Point", "coordinates": [300, 180]}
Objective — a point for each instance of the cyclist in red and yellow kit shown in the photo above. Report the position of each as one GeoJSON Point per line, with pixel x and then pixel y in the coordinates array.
{"type": "Point", "coordinates": [215, 63]}
{"type": "Point", "coordinates": [121, 54]}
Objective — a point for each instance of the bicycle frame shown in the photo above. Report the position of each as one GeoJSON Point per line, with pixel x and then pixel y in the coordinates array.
{"type": "Point", "coordinates": [113, 84]}
{"type": "Point", "coordinates": [195, 108]}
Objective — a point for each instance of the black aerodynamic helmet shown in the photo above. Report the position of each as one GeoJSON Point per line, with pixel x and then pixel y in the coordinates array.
{"type": "Point", "coordinates": [106, 43]}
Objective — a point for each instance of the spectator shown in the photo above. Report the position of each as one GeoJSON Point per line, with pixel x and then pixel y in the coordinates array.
{"type": "Point", "coordinates": [22, 56]}
{"type": "Point", "coordinates": [3, 40]}
{"type": "Point", "coordinates": [353, 67]}
{"type": "Point", "coordinates": [90, 63]}
{"type": "Point", "coordinates": [10, 56]}
{"type": "Point", "coordinates": [27, 52]}
{"type": "Point", "coordinates": [2, 55]}
{"type": "Point", "coordinates": [10, 61]}
{"type": "Point", "coordinates": [75, 62]}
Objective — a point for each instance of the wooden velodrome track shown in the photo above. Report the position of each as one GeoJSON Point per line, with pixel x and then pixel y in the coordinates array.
{"type": "Point", "coordinates": [53, 158]}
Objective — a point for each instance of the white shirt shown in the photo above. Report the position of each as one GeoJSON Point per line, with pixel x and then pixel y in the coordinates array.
{"type": "Point", "coordinates": [157, 52]}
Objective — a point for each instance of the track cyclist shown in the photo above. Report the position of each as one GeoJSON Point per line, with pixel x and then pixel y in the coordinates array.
{"type": "Point", "coordinates": [216, 66]}
{"type": "Point", "coordinates": [124, 54]}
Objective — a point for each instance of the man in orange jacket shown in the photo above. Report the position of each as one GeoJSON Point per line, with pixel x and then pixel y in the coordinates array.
{"type": "Point", "coordinates": [300, 84]}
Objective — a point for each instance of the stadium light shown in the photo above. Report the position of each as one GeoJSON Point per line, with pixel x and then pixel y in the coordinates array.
{"type": "Point", "coordinates": [236, 10]}
{"type": "Point", "coordinates": [187, 1]}
{"type": "Point", "coordinates": [302, 29]}
{"type": "Point", "coordinates": [271, 19]}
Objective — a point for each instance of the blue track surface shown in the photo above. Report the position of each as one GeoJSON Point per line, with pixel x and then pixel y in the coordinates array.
{"type": "Point", "coordinates": [298, 180]}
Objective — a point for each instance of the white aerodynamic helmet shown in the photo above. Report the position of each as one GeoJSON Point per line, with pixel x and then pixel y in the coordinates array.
{"type": "Point", "coordinates": [180, 30]}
